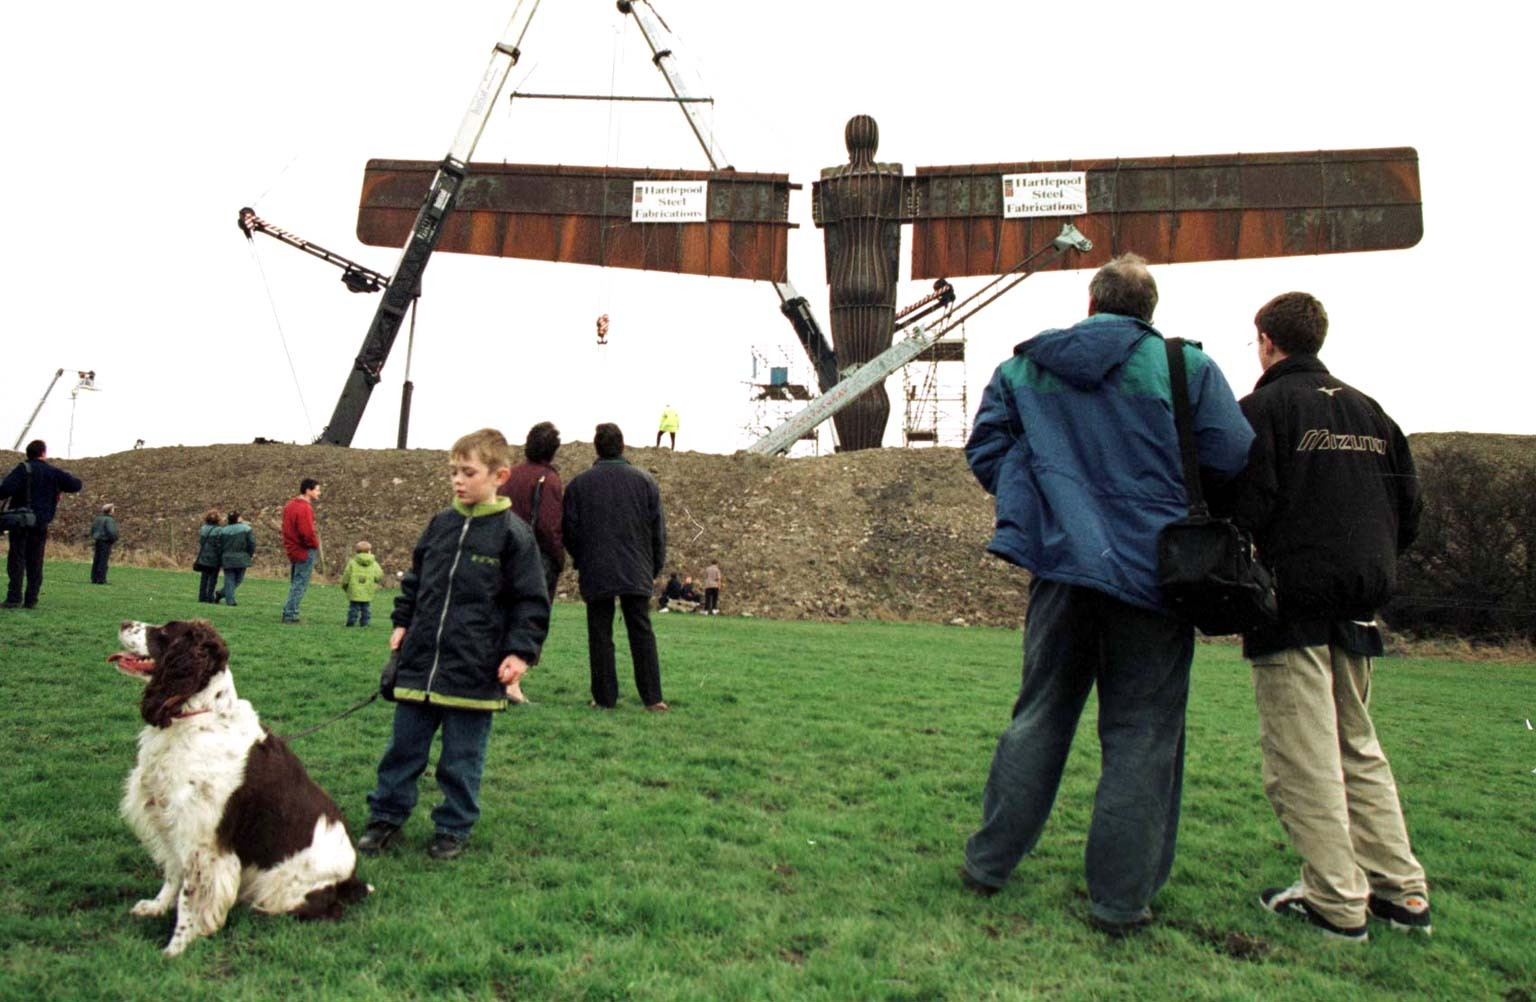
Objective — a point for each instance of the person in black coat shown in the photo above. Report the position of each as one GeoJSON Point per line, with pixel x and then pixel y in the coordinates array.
{"type": "Point", "coordinates": [616, 532]}
{"type": "Point", "coordinates": [103, 535]}
{"type": "Point", "coordinates": [1332, 496]}
{"type": "Point", "coordinates": [35, 484]}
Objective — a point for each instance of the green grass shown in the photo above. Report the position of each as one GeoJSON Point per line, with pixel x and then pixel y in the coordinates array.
{"type": "Point", "coordinates": [790, 831]}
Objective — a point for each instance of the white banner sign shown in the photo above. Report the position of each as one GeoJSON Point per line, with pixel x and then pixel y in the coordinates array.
{"type": "Point", "coordinates": [669, 202]}
{"type": "Point", "coordinates": [1060, 194]}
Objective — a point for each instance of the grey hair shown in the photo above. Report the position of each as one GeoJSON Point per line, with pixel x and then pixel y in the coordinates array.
{"type": "Point", "coordinates": [1124, 286]}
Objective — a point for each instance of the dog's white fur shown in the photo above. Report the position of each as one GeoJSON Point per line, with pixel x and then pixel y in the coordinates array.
{"type": "Point", "coordinates": [175, 799]}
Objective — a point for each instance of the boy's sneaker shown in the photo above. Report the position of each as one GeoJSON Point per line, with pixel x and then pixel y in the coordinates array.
{"type": "Point", "coordinates": [376, 837]}
{"type": "Point", "coordinates": [1411, 914]}
{"type": "Point", "coordinates": [445, 846]}
{"type": "Point", "coordinates": [1289, 901]}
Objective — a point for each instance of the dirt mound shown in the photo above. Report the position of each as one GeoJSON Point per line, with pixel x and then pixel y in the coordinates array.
{"type": "Point", "coordinates": [896, 534]}
{"type": "Point", "coordinates": [883, 534]}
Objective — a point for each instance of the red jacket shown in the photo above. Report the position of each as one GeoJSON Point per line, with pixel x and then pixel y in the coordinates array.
{"type": "Point", "coordinates": [519, 487]}
{"type": "Point", "coordinates": [299, 529]}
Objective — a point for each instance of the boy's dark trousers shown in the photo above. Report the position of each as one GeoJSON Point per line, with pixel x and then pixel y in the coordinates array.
{"type": "Point", "coordinates": [358, 613]}
{"type": "Point", "coordinates": [99, 561]}
{"type": "Point", "coordinates": [459, 766]}
{"type": "Point", "coordinates": [24, 561]}
{"type": "Point", "coordinates": [642, 649]}
{"type": "Point", "coordinates": [711, 599]}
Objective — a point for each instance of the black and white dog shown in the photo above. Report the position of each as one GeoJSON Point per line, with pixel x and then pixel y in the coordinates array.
{"type": "Point", "coordinates": [223, 806]}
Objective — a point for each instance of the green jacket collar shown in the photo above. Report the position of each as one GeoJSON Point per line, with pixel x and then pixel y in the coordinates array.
{"type": "Point", "coordinates": [491, 507]}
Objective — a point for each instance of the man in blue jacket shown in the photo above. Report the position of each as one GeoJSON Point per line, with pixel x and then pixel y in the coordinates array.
{"type": "Point", "coordinates": [37, 485]}
{"type": "Point", "coordinates": [1075, 437]}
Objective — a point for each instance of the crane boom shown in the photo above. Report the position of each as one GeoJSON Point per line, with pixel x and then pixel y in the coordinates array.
{"type": "Point", "coordinates": [425, 233]}
{"type": "Point", "coordinates": [882, 365]}
{"type": "Point", "coordinates": [28, 426]}
{"type": "Point", "coordinates": [356, 277]}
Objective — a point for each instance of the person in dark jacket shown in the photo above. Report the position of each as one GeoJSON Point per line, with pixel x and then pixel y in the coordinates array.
{"type": "Point", "coordinates": [536, 475]}
{"type": "Point", "coordinates": [1332, 497]}
{"type": "Point", "coordinates": [470, 618]}
{"type": "Point", "coordinates": [616, 532]}
{"type": "Point", "coordinates": [103, 535]}
{"type": "Point", "coordinates": [1075, 437]}
{"type": "Point", "coordinates": [537, 497]}
{"type": "Point", "coordinates": [237, 547]}
{"type": "Point", "coordinates": [210, 555]}
{"type": "Point", "coordinates": [37, 484]}
{"type": "Point", "coordinates": [671, 592]}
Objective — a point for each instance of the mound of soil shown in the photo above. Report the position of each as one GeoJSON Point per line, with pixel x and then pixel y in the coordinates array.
{"type": "Point", "coordinates": [891, 534]}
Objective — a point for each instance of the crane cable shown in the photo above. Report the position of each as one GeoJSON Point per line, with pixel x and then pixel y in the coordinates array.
{"type": "Point", "coordinates": [282, 338]}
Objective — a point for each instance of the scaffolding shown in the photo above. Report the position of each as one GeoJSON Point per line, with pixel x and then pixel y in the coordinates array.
{"type": "Point", "coordinates": [934, 390]}
{"type": "Point", "coordinates": [781, 384]}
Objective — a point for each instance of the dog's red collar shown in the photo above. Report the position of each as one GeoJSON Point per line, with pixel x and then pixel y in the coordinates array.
{"type": "Point", "coordinates": [183, 716]}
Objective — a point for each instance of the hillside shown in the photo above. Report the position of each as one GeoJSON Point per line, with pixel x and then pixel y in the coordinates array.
{"type": "Point", "coordinates": [882, 534]}
{"type": "Point", "coordinates": [885, 534]}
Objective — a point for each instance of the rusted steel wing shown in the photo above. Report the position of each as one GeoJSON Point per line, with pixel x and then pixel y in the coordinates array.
{"type": "Point", "coordinates": [1173, 209]}
{"type": "Point", "coordinates": [582, 215]}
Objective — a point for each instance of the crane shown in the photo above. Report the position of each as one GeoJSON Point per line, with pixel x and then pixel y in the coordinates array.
{"type": "Point", "coordinates": [426, 231]}
{"type": "Point", "coordinates": [356, 277]}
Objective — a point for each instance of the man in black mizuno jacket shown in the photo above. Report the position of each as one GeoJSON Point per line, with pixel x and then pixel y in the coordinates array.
{"type": "Point", "coordinates": [1332, 498]}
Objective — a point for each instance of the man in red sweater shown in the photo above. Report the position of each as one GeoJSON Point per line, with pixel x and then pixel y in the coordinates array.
{"type": "Point", "coordinates": [302, 544]}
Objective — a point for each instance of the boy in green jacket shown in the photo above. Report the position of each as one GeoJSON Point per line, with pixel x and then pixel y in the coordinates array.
{"type": "Point", "coordinates": [360, 579]}
{"type": "Point", "coordinates": [471, 617]}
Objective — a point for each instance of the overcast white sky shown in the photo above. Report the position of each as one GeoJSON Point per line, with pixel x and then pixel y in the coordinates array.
{"type": "Point", "coordinates": [136, 132]}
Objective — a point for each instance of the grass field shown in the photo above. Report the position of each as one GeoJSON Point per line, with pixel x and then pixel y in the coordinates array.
{"type": "Point", "coordinates": [790, 831]}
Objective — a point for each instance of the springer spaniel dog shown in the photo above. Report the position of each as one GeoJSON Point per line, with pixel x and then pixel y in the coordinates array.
{"type": "Point", "coordinates": [222, 804]}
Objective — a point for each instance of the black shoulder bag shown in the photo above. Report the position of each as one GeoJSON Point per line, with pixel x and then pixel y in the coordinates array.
{"type": "Point", "coordinates": [1206, 567]}
{"type": "Point", "coordinates": [20, 516]}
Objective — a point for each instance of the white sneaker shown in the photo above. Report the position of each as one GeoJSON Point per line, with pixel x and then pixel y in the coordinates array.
{"type": "Point", "coordinates": [663, 612]}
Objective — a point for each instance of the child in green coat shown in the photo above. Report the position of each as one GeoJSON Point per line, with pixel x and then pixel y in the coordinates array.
{"type": "Point", "coordinates": [360, 579]}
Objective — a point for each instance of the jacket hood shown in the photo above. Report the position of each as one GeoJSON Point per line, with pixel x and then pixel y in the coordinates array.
{"type": "Point", "coordinates": [1084, 354]}
{"type": "Point", "coordinates": [364, 559]}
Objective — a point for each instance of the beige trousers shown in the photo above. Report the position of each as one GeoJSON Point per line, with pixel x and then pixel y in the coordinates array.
{"type": "Point", "coordinates": [1329, 780]}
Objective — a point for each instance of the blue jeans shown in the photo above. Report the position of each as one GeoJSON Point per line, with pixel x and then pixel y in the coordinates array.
{"type": "Point", "coordinates": [459, 766]}
{"type": "Point", "coordinates": [207, 585]}
{"type": "Point", "coordinates": [1075, 637]}
{"type": "Point", "coordinates": [232, 578]}
{"type": "Point", "coordinates": [359, 613]}
{"type": "Point", "coordinates": [298, 584]}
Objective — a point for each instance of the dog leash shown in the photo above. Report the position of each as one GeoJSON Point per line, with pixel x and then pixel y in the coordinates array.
{"type": "Point", "coordinates": [326, 723]}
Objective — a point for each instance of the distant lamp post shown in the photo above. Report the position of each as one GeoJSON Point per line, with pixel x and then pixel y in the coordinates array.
{"type": "Point", "coordinates": [87, 382]}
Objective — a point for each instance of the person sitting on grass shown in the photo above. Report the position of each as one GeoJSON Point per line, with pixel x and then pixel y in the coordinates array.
{"type": "Point", "coordinates": [470, 618]}
{"type": "Point", "coordinates": [670, 592]}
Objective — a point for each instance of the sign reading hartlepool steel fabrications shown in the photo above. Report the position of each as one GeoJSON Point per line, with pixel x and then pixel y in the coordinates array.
{"type": "Point", "coordinates": [1054, 194]}
{"type": "Point", "coordinates": [670, 202]}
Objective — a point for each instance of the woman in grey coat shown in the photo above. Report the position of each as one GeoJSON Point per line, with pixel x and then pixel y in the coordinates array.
{"type": "Point", "coordinates": [208, 560]}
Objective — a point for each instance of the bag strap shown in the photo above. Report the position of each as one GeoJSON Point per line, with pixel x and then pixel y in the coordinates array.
{"type": "Point", "coordinates": [1182, 420]}
{"type": "Point", "coordinates": [538, 497]}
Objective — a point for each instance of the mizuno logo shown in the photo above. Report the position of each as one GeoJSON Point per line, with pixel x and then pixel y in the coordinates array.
{"type": "Point", "coordinates": [1330, 390]}
{"type": "Point", "coordinates": [1323, 440]}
